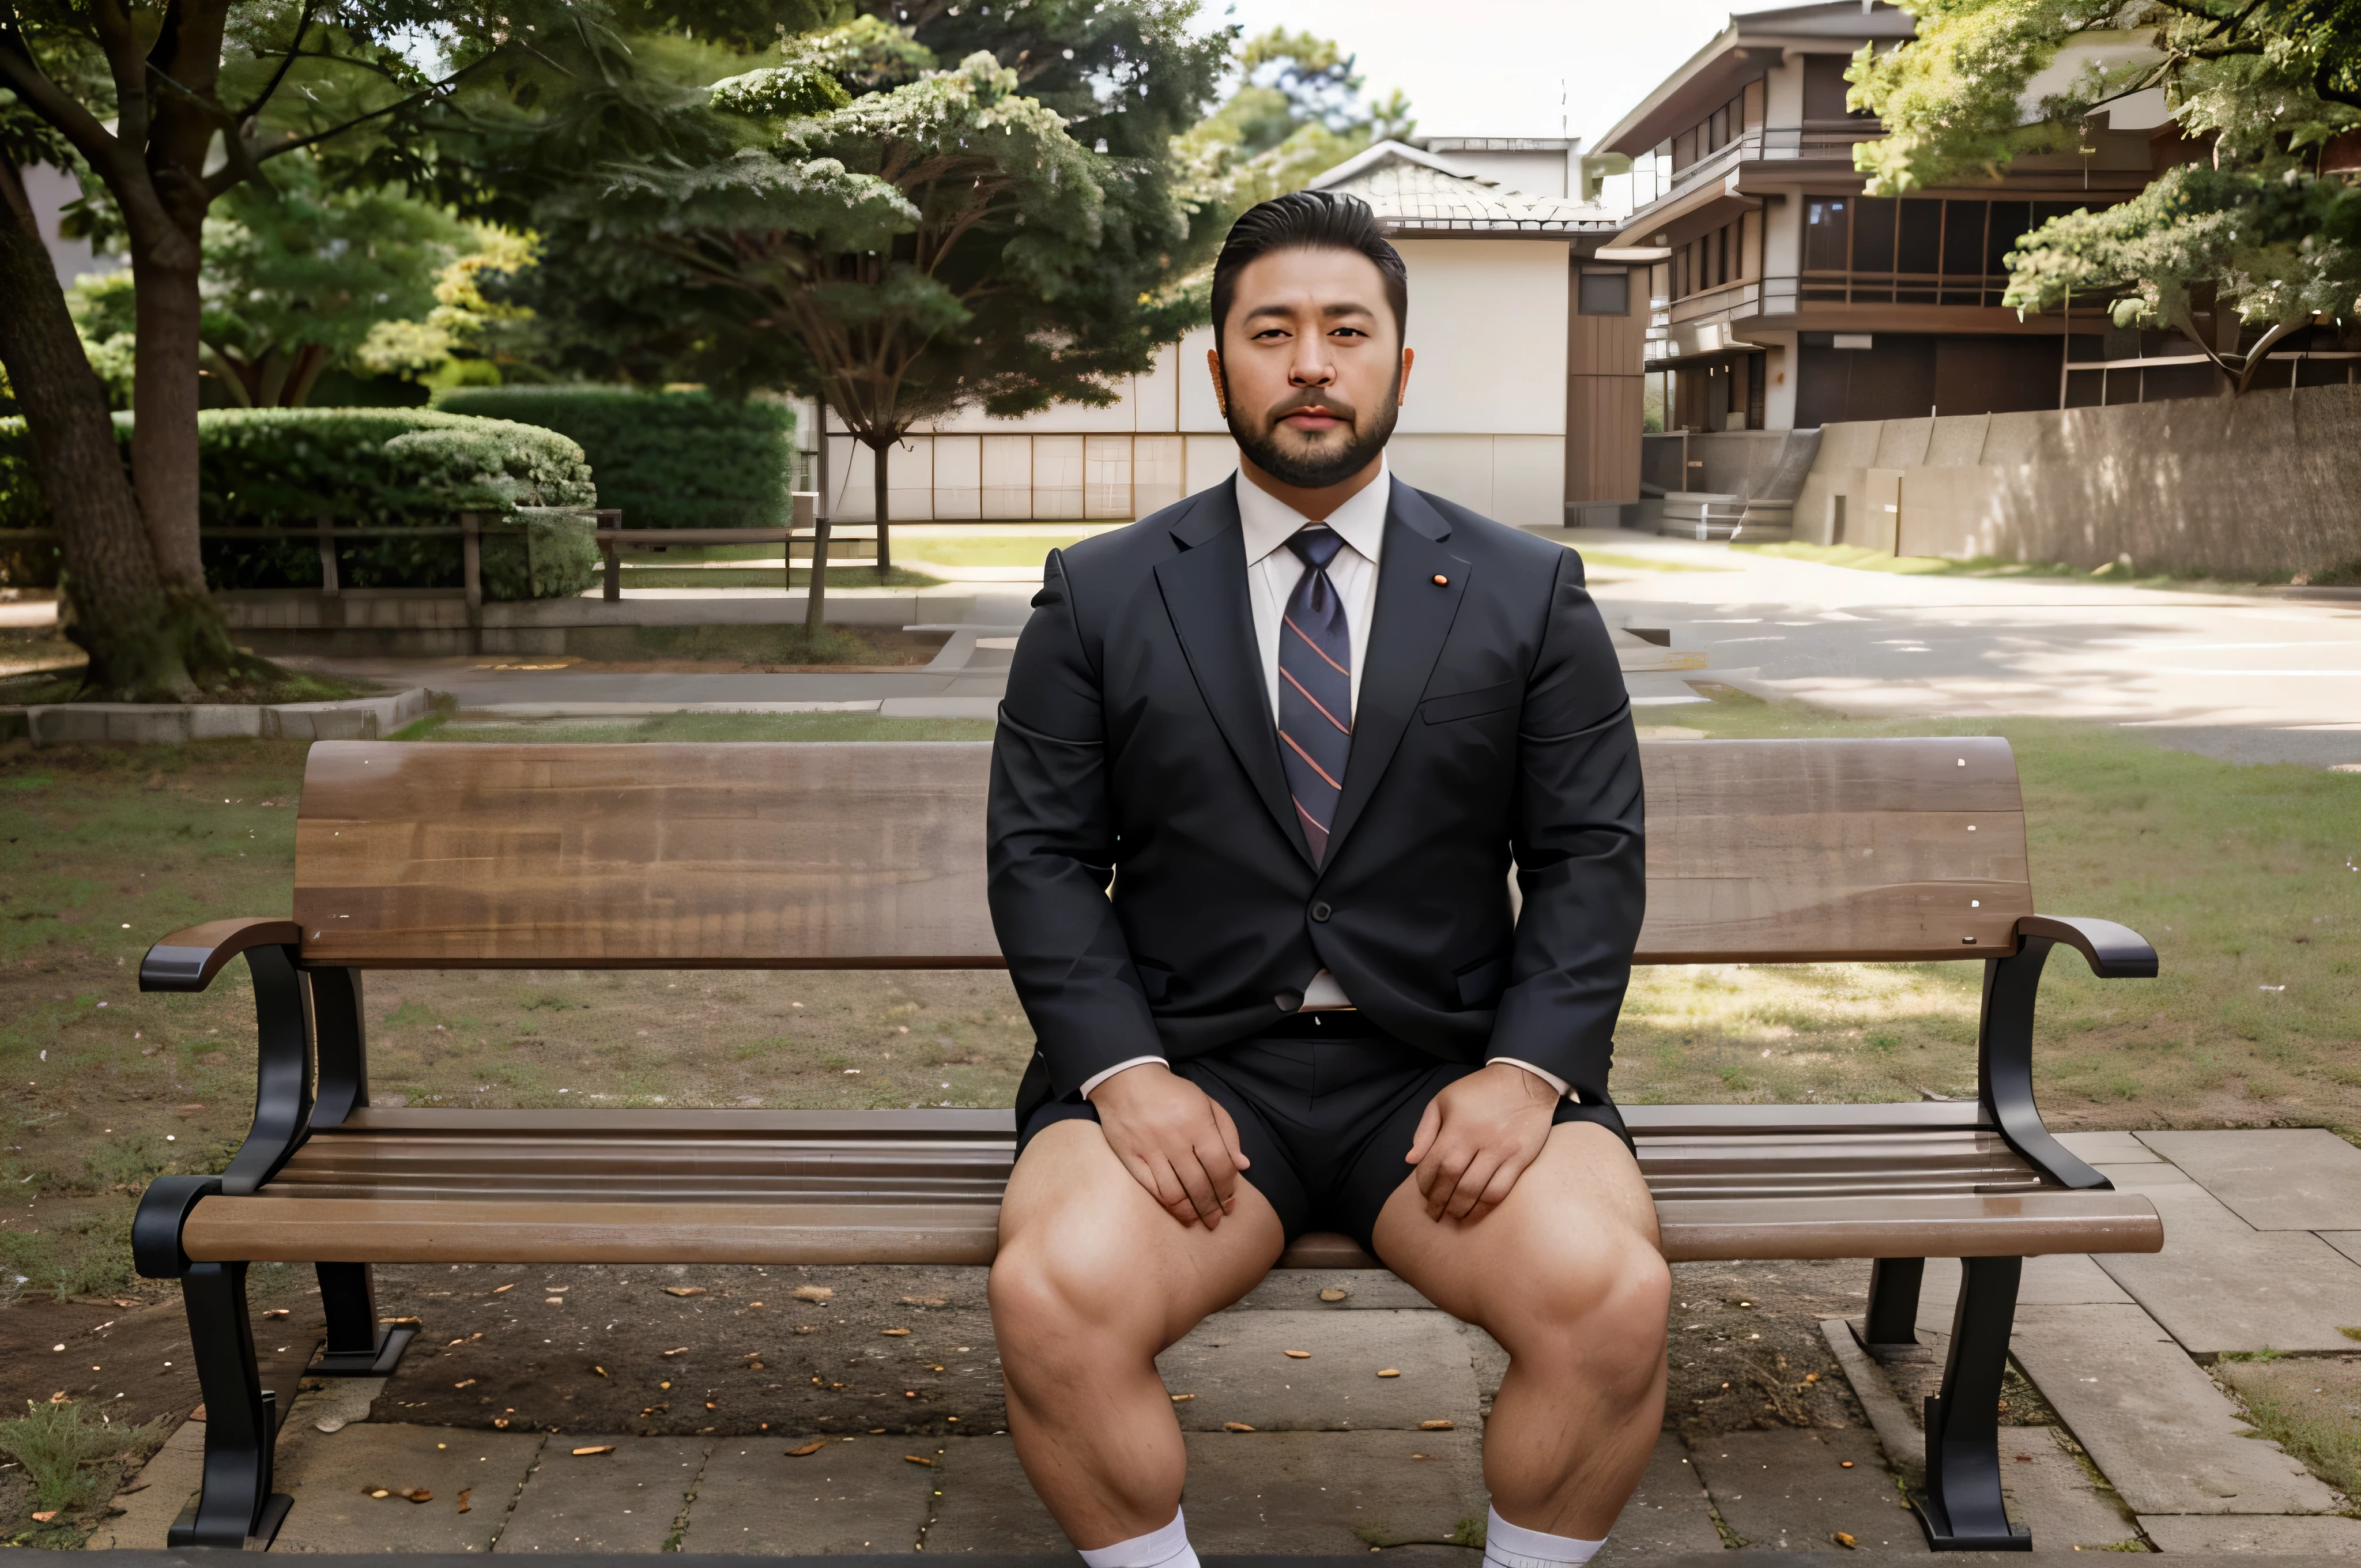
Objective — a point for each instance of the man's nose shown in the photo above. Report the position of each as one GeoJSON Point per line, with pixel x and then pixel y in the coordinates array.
{"type": "Point", "coordinates": [1313, 366]}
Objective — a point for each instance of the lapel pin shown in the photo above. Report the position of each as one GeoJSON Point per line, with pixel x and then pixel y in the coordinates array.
{"type": "Point", "coordinates": [1441, 581]}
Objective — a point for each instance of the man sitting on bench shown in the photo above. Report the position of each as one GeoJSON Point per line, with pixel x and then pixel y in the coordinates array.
{"type": "Point", "coordinates": [1264, 760]}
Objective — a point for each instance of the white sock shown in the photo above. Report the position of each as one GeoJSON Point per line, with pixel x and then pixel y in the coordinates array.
{"type": "Point", "coordinates": [1166, 1548]}
{"type": "Point", "coordinates": [1509, 1545]}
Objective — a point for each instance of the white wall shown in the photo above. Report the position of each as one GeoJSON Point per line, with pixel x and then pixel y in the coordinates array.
{"type": "Point", "coordinates": [1484, 423]}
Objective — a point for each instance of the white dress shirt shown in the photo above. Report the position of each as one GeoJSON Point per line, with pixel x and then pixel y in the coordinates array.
{"type": "Point", "coordinates": [1272, 573]}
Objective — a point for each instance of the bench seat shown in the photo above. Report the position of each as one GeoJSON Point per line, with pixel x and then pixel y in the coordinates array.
{"type": "Point", "coordinates": [838, 1187]}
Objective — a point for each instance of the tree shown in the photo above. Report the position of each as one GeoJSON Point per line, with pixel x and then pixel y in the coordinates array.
{"type": "Point", "coordinates": [297, 277]}
{"type": "Point", "coordinates": [906, 252]}
{"type": "Point", "coordinates": [1296, 112]}
{"type": "Point", "coordinates": [2236, 248]}
{"type": "Point", "coordinates": [164, 108]}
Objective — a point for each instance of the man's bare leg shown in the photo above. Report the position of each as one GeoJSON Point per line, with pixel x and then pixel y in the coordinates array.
{"type": "Point", "coordinates": [1093, 1278]}
{"type": "Point", "coordinates": [1565, 1274]}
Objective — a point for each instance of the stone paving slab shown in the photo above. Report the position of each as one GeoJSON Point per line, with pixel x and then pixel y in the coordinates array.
{"type": "Point", "coordinates": [987, 1505]}
{"type": "Point", "coordinates": [2155, 1425]}
{"type": "Point", "coordinates": [2062, 1279]}
{"type": "Point", "coordinates": [2221, 1285]}
{"type": "Point", "coordinates": [2049, 1493]}
{"type": "Point", "coordinates": [1788, 1490]}
{"type": "Point", "coordinates": [1366, 1289]}
{"type": "Point", "coordinates": [1669, 1512]}
{"type": "Point", "coordinates": [2282, 1533]}
{"type": "Point", "coordinates": [1237, 1367]}
{"type": "Point", "coordinates": [2109, 1148]}
{"type": "Point", "coordinates": [2141, 1177]}
{"type": "Point", "coordinates": [1331, 1492]}
{"type": "Point", "coordinates": [2347, 1242]}
{"type": "Point", "coordinates": [2291, 1178]}
{"type": "Point", "coordinates": [330, 1475]}
{"type": "Point", "coordinates": [857, 1495]}
{"type": "Point", "coordinates": [158, 1493]}
{"type": "Point", "coordinates": [623, 1501]}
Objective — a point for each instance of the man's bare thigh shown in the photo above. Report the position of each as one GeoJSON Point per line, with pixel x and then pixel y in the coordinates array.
{"type": "Point", "coordinates": [1582, 1206]}
{"type": "Point", "coordinates": [1073, 1208]}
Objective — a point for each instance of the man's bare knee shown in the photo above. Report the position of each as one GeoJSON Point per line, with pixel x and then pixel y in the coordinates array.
{"type": "Point", "coordinates": [1600, 1308]}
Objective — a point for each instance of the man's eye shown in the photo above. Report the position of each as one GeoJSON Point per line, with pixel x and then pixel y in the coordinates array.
{"type": "Point", "coordinates": [1348, 331]}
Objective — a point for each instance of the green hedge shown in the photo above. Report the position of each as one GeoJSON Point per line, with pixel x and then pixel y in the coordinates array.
{"type": "Point", "coordinates": [667, 459]}
{"type": "Point", "coordinates": [383, 468]}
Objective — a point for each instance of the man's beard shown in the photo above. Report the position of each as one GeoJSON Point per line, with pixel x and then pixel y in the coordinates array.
{"type": "Point", "coordinates": [1323, 467]}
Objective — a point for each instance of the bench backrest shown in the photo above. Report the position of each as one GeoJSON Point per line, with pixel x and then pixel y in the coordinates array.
{"type": "Point", "coordinates": [870, 855]}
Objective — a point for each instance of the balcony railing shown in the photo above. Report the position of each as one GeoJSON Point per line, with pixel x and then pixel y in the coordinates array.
{"type": "Point", "coordinates": [1785, 296]}
{"type": "Point", "coordinates": [1774, 144]}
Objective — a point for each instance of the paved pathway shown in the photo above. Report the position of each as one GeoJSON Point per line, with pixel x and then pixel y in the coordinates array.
{"type": "Point", "coordinates": [2149, 1449]}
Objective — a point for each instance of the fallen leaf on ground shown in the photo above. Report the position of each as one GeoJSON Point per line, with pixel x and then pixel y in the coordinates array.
{"type": "Point", "coordinates": [601, 1448]}
{"type": "Point", "coordinates": [466, 1507]}
{"type": "Point", "coordinates": [806, 1327]}
{"type": "Point", "coordinates": [916, 1459]}
{"type": "Point", "coordinates": [1434, 1426]}
{"type": "Point", "coordinates": [46, 1516]}
{"type": "Point", "coordinates": [807, 1448]}
{"type": "Point", "coordinates": [601, 1370]}
{"type": "Point", "coordinates": [1182, 1398]}
{"type": "Point", "coordinates": [1235, 1425]}
{"type": "Point", "coordinates": [498, 1288]}
{"type": "Point", "coordinates": [420, 1495]}
{"type": "Point", "coordinates": [1844, 1541]}
{"type": "Point", "coordinates": [275, 1313]}
{"type": "Point", "coordinates": [501, 1422]}
{"type": "Point", "coordinates": [376, 1491]}
{"type": "Point", "coordinates": [924, 1302]}
{"type": "Point", "coordinates": [1844, 1464]}
{"type": "Point", "coordinates": [896, 1334]}
{"type": "Point", "coordinates": [753, 1304]}
{"type": "Point", "coordinates": [465, 1383]}
{"type": "Point", "coordinates": [1417, 1456]}
{"type": "Point", "coordinates": [812, 1293]}
{"type": "Point", "coordinates": [1388, 1371]}
{"type": "Point", "coordinates": [683, 1289]}
{"type": "Point", "coordinates": [1297, 1355]}
{"type": "Point", "coordinates": [1333, 1294]}
{"type": "Point", "coordinates": [677, 1350]}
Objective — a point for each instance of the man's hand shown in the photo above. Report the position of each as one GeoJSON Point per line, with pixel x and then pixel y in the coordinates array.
{"type": "Point", "coordinates": [1175, 1139]}
{"type": "Point", "coordinates": [1476, 1138]}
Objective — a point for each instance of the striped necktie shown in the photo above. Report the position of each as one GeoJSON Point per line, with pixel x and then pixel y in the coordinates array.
{"type": "Point", "coordinates": [1315, 687]}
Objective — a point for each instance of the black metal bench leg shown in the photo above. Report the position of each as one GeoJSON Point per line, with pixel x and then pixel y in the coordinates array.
{"type": "Point", "coordinates": [1893, 1287]}
{"type": "Point", "coordinates": [357, 1346]}
{"type": "Point", "coordinates": [1962, 1510]}
{"type": "Point", "coordinates": [241, 1423]}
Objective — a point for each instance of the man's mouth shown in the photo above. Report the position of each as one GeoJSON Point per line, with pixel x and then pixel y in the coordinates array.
{"type": "Point", "coordinates": [1311, 420]}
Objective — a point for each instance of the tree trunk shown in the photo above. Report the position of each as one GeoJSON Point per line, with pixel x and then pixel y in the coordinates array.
{"type": "Point", "coordinates": [117, 601]}
{"type": "Point", "coordinates": [164, 403]}
{"type": "Point", "coordinates": [884, 547]}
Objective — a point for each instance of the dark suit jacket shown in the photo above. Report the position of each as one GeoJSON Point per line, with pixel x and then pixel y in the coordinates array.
{"type": "Point", "coordinates": [1137, 746]}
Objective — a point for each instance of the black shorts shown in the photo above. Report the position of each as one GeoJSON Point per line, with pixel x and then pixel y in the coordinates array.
{"type": "Point", "coordinates": [1326, 1112]}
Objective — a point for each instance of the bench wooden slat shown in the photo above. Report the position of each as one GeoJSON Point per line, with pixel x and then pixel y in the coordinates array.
{"type": "Point", "coordinates": [788, 855]}
{"type": "Point", "coordinates": [305, 1230]}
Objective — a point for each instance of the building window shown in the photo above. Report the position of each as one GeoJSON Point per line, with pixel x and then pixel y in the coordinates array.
{"type": "Point", "coordinates": [1825, 229]}
{"type": "Point", "coordinates": [1604, 294]}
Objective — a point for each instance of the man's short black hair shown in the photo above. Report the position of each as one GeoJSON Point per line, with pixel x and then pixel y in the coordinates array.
{"type": "Point", "coordinates": [1309, 220]}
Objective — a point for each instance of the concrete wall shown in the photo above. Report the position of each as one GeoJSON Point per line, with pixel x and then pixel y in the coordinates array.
{"type": "Point", "coordinates": [1483, 426]}
{"type": "Point", "coordinates": [2265, 482]}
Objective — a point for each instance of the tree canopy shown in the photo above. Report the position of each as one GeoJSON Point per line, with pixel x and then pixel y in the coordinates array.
{"type": "Point", "coordinates": [2246, 240]}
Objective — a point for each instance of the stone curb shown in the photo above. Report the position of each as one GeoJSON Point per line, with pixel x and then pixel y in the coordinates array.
{"type": "Point", "coordinates": [354, 719]}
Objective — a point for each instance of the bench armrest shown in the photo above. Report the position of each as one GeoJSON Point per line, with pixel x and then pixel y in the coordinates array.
{"type": "Point", "coordinates": [188, 961]}
{"type": "Point", "coordinates": [2113, 952]}
{"type": "Point", "coordinates": [2004, 1034]}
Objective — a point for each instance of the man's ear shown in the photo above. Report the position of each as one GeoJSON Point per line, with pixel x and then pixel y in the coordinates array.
{"type": "Point", "coordinates": [1214, 368]}
{"type": "Point", "coordinates": [1402, 389]}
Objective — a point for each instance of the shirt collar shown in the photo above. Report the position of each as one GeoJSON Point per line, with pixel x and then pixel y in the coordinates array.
{"type": "Point", "coordinates": [1271, 522]}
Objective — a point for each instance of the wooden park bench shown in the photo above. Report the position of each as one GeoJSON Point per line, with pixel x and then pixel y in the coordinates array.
{"type": "Point", "coordinates": [759, 856]}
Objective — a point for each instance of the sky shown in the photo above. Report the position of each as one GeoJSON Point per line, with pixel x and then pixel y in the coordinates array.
{"type": "Point", "coordinates": [1519, 68]}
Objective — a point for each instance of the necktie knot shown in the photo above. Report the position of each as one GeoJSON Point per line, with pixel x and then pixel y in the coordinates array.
{"type": "Point", "coordinates": [1316, 544]}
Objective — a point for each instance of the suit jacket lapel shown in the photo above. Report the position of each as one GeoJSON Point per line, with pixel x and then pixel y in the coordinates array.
{"type": "Point", "coordinates": [1413, 617]}
{"type": "Point", "coordinates": [1205, 590]}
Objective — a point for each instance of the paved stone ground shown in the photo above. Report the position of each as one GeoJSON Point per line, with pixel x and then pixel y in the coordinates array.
{"type": "Point", "coordinates": [2125, 1439]}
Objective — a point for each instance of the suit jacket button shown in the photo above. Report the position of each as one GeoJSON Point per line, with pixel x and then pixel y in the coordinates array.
{"type": "Point", "coordinates": [1321, 911]}
{"type": "Point", "coordinates": [1288, 1001]}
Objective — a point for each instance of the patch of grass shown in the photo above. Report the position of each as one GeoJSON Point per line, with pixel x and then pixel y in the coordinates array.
{"type": "Point", "coordinates": [1861, 557]}
{"type": "Point", "coordinates": [2240, 876]}
{"type": "Point", "coordinates": [2308, 1405]}
{"type": "Point", "coordinates": [280, 685]}
{"type": "Point", "coordinates": [708, 727]}
{"type": "Point", "coordinates": [1644, 563]}
{"type": "Point", "coordinates": [788, 644]}
{"type": "Point", "coordinates": [639, 577]}
{"type": "Point", "coordinates": [987, 549]}
{"type": "Point", "coordinates": [59, 1448]}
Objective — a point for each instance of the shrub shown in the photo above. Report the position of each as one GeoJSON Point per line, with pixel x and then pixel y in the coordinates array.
{"type": "Point", "coordinates": [377, 467]}
{"type": "Point", "coordinates": [57, 1448]}
{"type": "Point", "coordinates": [668, 459]}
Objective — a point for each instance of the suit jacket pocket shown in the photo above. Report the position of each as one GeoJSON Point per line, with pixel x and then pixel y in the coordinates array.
{"type": "Point", "coordinates": [1470, 703]}
{"type": "Point", "coordinates": [1480, 983]}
